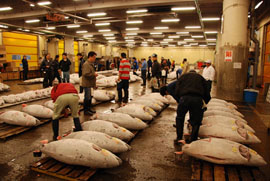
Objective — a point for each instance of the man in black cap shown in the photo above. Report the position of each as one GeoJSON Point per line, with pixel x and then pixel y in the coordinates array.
{"type": "Point", "coordinates": [156, 72]}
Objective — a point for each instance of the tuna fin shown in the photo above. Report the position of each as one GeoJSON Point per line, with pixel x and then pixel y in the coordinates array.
{"type": "Point", "coordinates": [44, 142]}
{"type": "Point", "coordinates": [59, 138]}
{"type": "Point", "coordinates": [24, 105]}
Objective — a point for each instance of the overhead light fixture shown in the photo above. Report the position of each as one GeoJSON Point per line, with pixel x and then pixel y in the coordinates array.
{"type": "Point", "coordinates": [183, 8]}
{"type": "Point", "coordinates": [136, 11]}
{"type": "Point", "coordinates": [66, 17]}
{"type": "Point", "coordinates": [211, 39]}
{"type": "Point", "coordinates": [82, 31]}
{"type": "Point", "coordinates": [203, 45]}
{"type": "Point", "coordinates": [104, 30]}
{"type": "Point", "coordinates": [32, 21]}
{"type": "Point", "coordinates": [132, 29]}
{"type": "Point", "coordinates": [134, 22]}
{"type": "Point", "coordinates": [174, 36]}
{"type": "Point", "coordinates": [50, 28]}
{"type": "Point", "coordinates": [80, 39]}
{"type": "Point", "coordinates": [108, 34]}
{"type": "Point", "coordinates": [132, 34]}
{"type": "Point", "coordinates": [258, 5]}
{"type": "Point", "coordinates": [102, 24]}
{"type": "Point", "coordinates": [26, 30]}
{"type": "Point", "coordinates": [181, 42]}
{"type": "Point", "coordinates": [39, 33]}
{"type": "Point", "coordinates": [5, 8]}
{"type": "Point", "coordinates": [170, 20]}
{"type": "Point", "coordinates": [32, 5]}
{"type": "Point", "coordinates": [211, 44]}
{"type": "Point", "coordinates": [189, 39]}
{"type": "Point", "coordinates": [156, 33]}
{"type": "Point", "coordinates": [211, 32]}
{"type": "Point", "coordinates": [44, 3]}
{"type": "Point", "coordinates": [167, 39]}
{"type": "Point", "coordinates": [109, 38]}
{"type": "Point", "coordinates": [96, 14]}
{"type": "Point", "coordinates": [192, 27]}
{"type": "Point", "coordinates": [197, 36]}
{"type": "Point", "coordinates": [3, 26]}
{"type": "Point", "coordinates": [172, 45]}
{"type": "Point", "coordinates": [161, 28]}
{"type": "Point", "coordinates": [164, 42]}
{"type": "Point", "coordinates": [87, 36]}
{"type": "Point", "coordinates": [112, 41]}
{"type": "Point", "coordinates": [145, 45]}
{"type": "Point", "coordinates": [73, 26]}
{"type": "Point", "coordinates": [211, 19]}
{"type": "Point", "coordinates": [193, 43]}
{"type": "Point", "coordinates": [129, 40]}
{"type": "Point", "coordinates": [249, 16]}
{"type": "Point", "coordinates": [183, 33]}
{"type": "Point", "coordinates": [145, 42]}
{"type": "Point", "coordinates": [150, 40]}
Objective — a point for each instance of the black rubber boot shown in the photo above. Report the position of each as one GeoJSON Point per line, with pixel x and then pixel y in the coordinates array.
{"type": "Point", "coordinates": [90, 105]}
{"type": "Point", "coordinates": [55, 127]}
{"type": "Point", "coordinates": [77, 124]}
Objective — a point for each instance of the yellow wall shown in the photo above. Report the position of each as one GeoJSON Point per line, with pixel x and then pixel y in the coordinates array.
{"type": "Point", "coordinates": [18, 44]}
{"type": "Point", "coordinates": [76, 50]}
{"type": "Point", "coordinates": [175, 53]}
{"type": "Point", "coordinates": [61, 46]}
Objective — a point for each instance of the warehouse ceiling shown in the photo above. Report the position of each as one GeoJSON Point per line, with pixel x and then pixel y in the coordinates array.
{"type": "Point", "coordinates": [157, 23]}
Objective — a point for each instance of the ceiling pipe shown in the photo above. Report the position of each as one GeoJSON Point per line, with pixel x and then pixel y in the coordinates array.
{"type": "Point", "coordinates": [200, 17]}
{"type": "Point", "coordinates": [257, 44]}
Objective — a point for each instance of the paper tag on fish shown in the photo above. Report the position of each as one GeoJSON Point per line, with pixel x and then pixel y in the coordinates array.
{"type": "Point", "coordinates": [138, 120]}
{"type": "Point", "coordinates": [250, 133]}
{"type": "Point", "coordinates": [104, 152]}
{"type": "Point", "coordinates": [252, 151]}
{"type": "Point", "coordinates": [234, 149]}
{"type": "Point", "coordinates": [124, 130]}
{"type": "Point", "coordinates": [233, 121]}
{"type": "Point", "coordinates": [234, 128]}
{"type": "Point", "coordinates": [116, 140]}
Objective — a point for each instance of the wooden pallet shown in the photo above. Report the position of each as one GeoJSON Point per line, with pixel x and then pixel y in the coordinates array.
{"type": "Point", "coordinates": [7, 130]}
{"type": "Point", "coordinates": [202, 170]}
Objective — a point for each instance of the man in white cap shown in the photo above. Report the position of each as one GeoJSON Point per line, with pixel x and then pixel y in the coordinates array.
{"type": "Point", "coordinates": [209, 74]}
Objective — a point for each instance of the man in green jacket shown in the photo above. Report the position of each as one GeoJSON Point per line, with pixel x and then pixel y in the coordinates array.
{"type": "Point", "coordinates": [88, 82]}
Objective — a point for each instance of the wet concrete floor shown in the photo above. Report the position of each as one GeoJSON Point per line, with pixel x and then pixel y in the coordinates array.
{"type": "Point", "coordinates": [151, 158]}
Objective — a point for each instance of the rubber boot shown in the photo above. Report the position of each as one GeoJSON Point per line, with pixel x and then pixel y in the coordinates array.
{"type": "Point", "coordinates": [55, 127]}
{"type": "Point", "coordinates": [90, 104]}
{"type": "Point", "coordinates": [77, 124]}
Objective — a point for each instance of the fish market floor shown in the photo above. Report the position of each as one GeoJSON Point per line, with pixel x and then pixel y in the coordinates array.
{"type": "Point", "coordinates": [152, 155]}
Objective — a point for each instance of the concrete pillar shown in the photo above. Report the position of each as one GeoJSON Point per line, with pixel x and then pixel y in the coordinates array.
{"type": "Point", "coordinates": [232, 70]}
{"type": "Point", "coordinates": [69, 49]}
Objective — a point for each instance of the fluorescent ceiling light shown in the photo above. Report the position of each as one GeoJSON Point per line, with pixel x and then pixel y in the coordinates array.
{"type": "Point", "coordinates": [174, 36]}
{"type": "Point", "coordinates": [82, 31]}
{"type": "Point", "coordinates": [168, 40]}
{"type": "Point", "coordinates": [182, 33]}
{"type": "Point", "coordinates": [96, 14]}
{"type": "Point", "coordinates": [73, 26]}
{"type": "Point", "coordinates": [102, 24]}
{"type": "Point", "coordinates": [132, 29]}
{"type": "Point", "coordinates": [104, 30]}
{"type": "Point", "coordinates": [211, 44]}
{"type": "Point", "coordinates": [192, 27]}
{"type": "Point", "coordinates": [189, 39]}
{"type": "Point", "coordinates": [137, 11]}
{"type": "Point", "coordinates": [87, 36]}
{"type": "Point", "coordinates": [3, 26]}
{"type": "Point", "coordinates": [203, 45]}
{"type": "Point", "coordinates": [50, 28]}
{"type": "Point", "coordinates": [112, 41]}
{"type": "Point", "coordinates": [181, 42]}
{"type": "Point", "coordinates": [66, 17]}
{"type": "Point", "coordinates": [258, 5]}
{"type": "Point", "coordinates": [170, 20]}
{"type": "Point", "coordinates": [197, 36]}
{"type": "Point", "coordinates": [134, 22]}
{"type": "Point", "coordinates": [150, 40]}
{"type": "Point", "coordinates": [44, 3]}
{"type": "Point", "coordinates": [164, 42]}
{"type": "Point", "coordinates": [144, 45]}
{"type": "Point", "coordinates": [32, 21]}
{"type": "Point", "coordinates": [183, 8]}
{"type": "Point", "coordinates": [211, 39]}
{"type": "Point", "coordinates": [211, 32]}
{"type": "Point", "coordinates": [108, 34]}
{"type": "Point", "coordinates": [80, 39]}
{"type": "Point", "coordinates": [172, 45]}
{"type": "Point", "coordinates": [249, 16]}
{"type": "Point", "coordinates": [26, 30]}
{"type": "Point", "coordinates": [32, 5]}
{"type": "Point", "coordinates": [129, 40]}
{"type": "Point", "coordinates": [145, 42]}
{"type": "Point", "coordinates": [156, 33]}
{"type": "Point", "coordinates": [39, 33]}
{"type": "Point", "coordinates": [131, 34]}
{"type": "Point", "coordinates": [193, 43]}
{"type": "Point", "coordinates": [109, 38]}
{"type": "Point", "coordinates": [161, 28]}
{"type": "Point", "coordinates": [5, 8]}
{"type": "Point", "coordinates": [211, 19]}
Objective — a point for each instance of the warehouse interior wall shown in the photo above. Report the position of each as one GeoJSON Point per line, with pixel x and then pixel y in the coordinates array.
{"type": "Point", "coordinates": [41, 45]}
{"type": "Point", "coordinates": [178, 54]}
{"type": "Point", "coordinates": [53, 47]}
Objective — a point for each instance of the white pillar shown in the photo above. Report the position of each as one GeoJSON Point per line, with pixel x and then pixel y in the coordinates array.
{"type": "Point", "coordinates": [69, 49]}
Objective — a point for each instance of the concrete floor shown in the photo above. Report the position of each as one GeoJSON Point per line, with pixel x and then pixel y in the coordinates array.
{"type": "Point", "coordinates": [152, 155]}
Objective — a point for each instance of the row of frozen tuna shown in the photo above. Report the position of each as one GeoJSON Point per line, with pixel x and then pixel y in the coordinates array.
{"type": "Point", "coordinates": [25, 96]}
{"type": "Point", "coordinates": [104, 135]}
{"type": "Point", "coordinates": [111, 81]}
{"type": "Point", "coordinates": [4, 87]}
{"type": "Point", "coordinates": [224, 131]}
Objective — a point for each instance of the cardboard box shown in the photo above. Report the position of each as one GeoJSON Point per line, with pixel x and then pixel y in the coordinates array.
{"type": "Point", "coordinates": [11, 64]}
{"type": "Point", "coordinates": [4, 76]}
{"type": "Point", "coordinates": [12, 69]}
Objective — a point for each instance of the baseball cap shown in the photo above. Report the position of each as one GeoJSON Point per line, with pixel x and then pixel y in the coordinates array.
{"type": "Point", "coordinates": [154, 55]}
{"type": "Point", "coordinates": [208, 61]}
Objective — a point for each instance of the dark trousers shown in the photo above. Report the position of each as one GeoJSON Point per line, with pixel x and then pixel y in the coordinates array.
{"type": "Point", "coordinates": [123, 84]}
{"type": "Point", "coordinates": [148, 75]}
{"type": "Point", "coordinates": [193, 104]}
{"type": "Point", "coordinates": [144, 76]}
{"type": "Point", "coordinates": [47, 81]}
{"type": "Point", "coordinates": [56, 75]}
{"type": "Point", "coordinates": [25, 72]}
{"type": "Point", "coordinates": [209, 85]}
{"type": "Point", "coordinates": [87, 99]}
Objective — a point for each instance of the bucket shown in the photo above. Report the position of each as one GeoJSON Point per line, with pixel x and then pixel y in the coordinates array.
{"type": "Point", "coordinates": [250, 95]}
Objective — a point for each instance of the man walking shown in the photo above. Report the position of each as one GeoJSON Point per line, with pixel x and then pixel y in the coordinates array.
{"type": "Point", "coordinates": [65, 67]}
{"type": "Point", "coordinates": [209, 74]}
{"type": "Point", "coordinates": [149, 67]}
{"type": "Point", "coordinates": [143, 71]}
{"type": "Point", "coordinates": [46, 68]}
{"type": "Point", "coordinates": [123, 79]}
{"type": "Point", "coordinates": [156, 73]}
{"type": "Point", "coordinates": [88, 82]}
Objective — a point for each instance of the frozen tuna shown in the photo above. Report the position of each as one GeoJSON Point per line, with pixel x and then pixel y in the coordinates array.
{"type": "Point", "coordinates": [123, 120]}
{"type": "Point", "coordinates": [37, 111]}
{"type": "Point", "coordinates": [225, 109]}
{"type": "Point", "coordinates": [103, 95]}
{"type": "Point", "coordinates": [233, 133]}
{"type": "Point", "coordinates": [18, 118]}
{"type": "Point", "coordinates": [80, 152]}
{"type": "Point", "coordinates": [226, 121]}
{"type": "Point", "coordinates": [102, 140]}
{"type": "Point", "coordinates": [137, 110]}
{"type": "Point", "coordinates": [156, 96]}
{"type": "Point", "coordinates": [221, 151]}
{"type": "Point", "coordinates": [2, 102]}
{"type": "Point", "coordinates": [9, 99]}
{"type": "Point", "coordinates": [223, 113]}
{"type": "Point", "coordinates": [150, 103]}
{"type": "Point", "coordinates": [49, 104]}
{"type": "Point", "coordinates": [229, 105]}
{"type": "Point", "coordinates": [109, 128]}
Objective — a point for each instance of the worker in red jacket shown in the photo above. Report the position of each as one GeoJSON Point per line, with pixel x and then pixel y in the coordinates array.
{"type": "Point", "coordinates": [63, 95]}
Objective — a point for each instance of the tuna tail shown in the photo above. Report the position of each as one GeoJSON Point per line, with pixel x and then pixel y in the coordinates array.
{"type": "Point", "coordinates": [119, 160]}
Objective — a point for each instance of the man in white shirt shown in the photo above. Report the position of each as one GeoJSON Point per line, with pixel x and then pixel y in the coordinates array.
{"type": "Point", "coordinates": [209, 74]}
